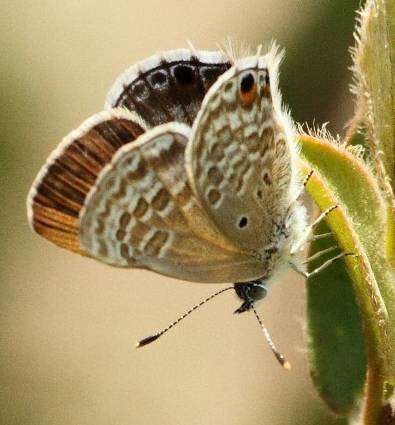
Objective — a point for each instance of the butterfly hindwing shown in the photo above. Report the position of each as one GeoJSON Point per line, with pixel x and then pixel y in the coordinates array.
{"type": "Point", "coordinates": [143, 209]}
{"type": "Point", "coordinates": [168, 87]}
{"type": "Point", "coordinates": [238, 158]}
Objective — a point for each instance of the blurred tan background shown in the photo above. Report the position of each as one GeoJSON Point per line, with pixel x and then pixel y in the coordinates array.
{"type": "Point", "coordinates": [68, 324]}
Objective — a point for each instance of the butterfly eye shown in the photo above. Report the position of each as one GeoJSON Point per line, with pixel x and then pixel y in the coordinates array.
{"type": "Point", "coordinates": [248, 89]}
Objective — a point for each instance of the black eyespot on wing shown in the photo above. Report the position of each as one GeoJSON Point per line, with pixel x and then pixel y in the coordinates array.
{"type": "Point", "coordinates": [209, 73]}
{"type": "Point", "coordinates": [184, 74]}
{"type": "Point", "coordinates": [247, 83]}
{"type": "Point", "coordinates": [140, 90]}
{"type": "Point", "coordinates": [158, 78]}
{"type": "Point", "coordinates": [243, 222]}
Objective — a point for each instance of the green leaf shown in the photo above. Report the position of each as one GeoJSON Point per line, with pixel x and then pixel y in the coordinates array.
{"type": "Point", "coordinates": [342, 179]}
{"type": "Point", "coordinates": [336, 342]}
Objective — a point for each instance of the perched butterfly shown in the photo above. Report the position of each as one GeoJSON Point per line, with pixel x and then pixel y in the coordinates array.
{"type": "Point", "coordinates": [189, 172]}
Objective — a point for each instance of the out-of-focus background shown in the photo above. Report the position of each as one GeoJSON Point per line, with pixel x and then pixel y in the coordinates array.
{"type": "Point", "coordinates": [68, 324]}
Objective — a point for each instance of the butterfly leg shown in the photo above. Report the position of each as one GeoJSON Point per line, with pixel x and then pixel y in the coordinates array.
{"type": "Point", "coordinates": [323, 266]}
{"type": "Point", "coordinates": [320, 236]}
{"type": "Point", "coordinates": [298, 246]}
{"type": "Point", "coordinates": [305, 181]}
{"type": "Point", "coordinates": [296, 200]}
{"type": "Point", "coordinates": [319, 254]}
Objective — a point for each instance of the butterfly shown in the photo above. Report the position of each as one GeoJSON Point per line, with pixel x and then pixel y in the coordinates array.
{"type": "Point", "coordinates": [190, 171]}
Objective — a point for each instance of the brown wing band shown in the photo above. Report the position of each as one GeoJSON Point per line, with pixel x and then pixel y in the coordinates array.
{"type": "Point", "coordinates": [60, 188]}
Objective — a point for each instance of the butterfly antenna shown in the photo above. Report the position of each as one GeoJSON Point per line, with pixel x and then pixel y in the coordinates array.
{"type": "Point", "coordinates": [281, 359]}
{"type": "Point", "coordinates": [155, 336]}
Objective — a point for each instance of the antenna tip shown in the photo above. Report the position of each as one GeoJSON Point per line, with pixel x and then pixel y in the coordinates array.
{"type": "Point", "coordinates": [282, 360]}
{"type": "Point", "coordinates": [147, 340]}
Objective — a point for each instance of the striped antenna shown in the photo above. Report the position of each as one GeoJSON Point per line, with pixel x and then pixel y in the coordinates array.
{"type": "Point", "coordinates": [281, 359]}
{"type": "Point", "coordinates": [155, 336]}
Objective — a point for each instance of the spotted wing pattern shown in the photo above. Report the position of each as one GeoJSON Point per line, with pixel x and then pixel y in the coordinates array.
{"type": "Point", "coordinates": [239, 157]}
{"type": "Point", "coordinates": [168, 87]}
{"type": "Point", "coordinates": [142, 209]}
{"type": "Point", "coordinates": [60, 188]}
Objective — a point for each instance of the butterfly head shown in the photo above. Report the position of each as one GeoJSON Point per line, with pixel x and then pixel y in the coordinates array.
{"type": "Point", "coordinates": [250, 292]}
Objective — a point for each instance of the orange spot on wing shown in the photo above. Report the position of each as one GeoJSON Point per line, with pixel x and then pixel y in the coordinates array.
{"type": "Point", "coordinates": [248, 97]}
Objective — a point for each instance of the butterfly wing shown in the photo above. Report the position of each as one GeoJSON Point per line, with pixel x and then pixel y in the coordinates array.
{"type": "Point", "coordinates": [168, 87]}
{"type": "Point", "coordinates": [239, 158]}
{"type": "Point", "coordinates": [60, 188]}
{"type": "Point", "coordinates": [142, 209]}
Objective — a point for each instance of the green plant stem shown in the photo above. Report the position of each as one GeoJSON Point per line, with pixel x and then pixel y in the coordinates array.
{"type": "Point", "coordinates": [374, 392]}
{"type": "Point", "coordinates": [374, 76]}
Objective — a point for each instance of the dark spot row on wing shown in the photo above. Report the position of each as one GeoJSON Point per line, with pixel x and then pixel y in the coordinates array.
{"type": "Point", "coordinates": [172, 91]}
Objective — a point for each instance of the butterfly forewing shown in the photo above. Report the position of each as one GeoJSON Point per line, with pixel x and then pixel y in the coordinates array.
{"type": "Point", "coordinates": [168, 87]}
{"type": "Point", "coordinates": [237, 155]}
{"type": "Point", "coordinates": [142, 208]}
